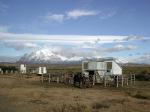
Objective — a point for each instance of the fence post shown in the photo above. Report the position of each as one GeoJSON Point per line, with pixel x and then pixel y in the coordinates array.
{"type": "Point", "coordinates": [131, 79]}
{"type": "Point", "coordinates": [12, 72]}
{"type": "Point", "coordinates": [127, 82]}
{"type": "Point", "coordinates": [42, 78]}
{"type": "Point", "coordinates": [57, 79]}
{"type": "Point", "coordinates": [93, 79]}
{"type": "Point", "coordinates": [117, 81]}
{"type": "Point", "coordinates": [2, 72]}
{"type": "Point", "coordinates": [122, 81]}
{"type": "Point", "coordinates": [6, 72]}
{"type": "Point", "coordinates": [105, 83]}
{"type": "Point", "coordinates": [134, 78]}
{"type": "Point", "coordinates": [49, 78]}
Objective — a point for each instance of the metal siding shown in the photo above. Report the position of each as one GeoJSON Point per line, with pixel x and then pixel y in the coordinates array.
{"type": "Point", "coordinates": [116, 69]}
{"type": "Point", "coordinates": [42, 70]}
{"type": "Point", "coordinates": [97, 66]}
{"type": "Point", "coordinates": [22, 68]}
{"type": "Point", "coordinates": [92, 65]}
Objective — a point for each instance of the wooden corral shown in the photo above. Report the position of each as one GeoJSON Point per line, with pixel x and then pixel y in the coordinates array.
{"type": "Point", "coordinates": [117, 81]}
{"type": "Point", "coordinates": [58, 78]}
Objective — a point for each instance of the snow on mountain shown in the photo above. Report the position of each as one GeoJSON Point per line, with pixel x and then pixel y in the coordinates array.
{"type": "Point", "coordinates": [75, 58]}
{"type": "Point", "coordinates": [46, 56]}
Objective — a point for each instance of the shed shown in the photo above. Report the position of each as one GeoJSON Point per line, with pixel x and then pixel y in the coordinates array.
{"type": "Point", "coordinates": [42, 70]}
{"type": "Point", "coordinates": [23, 68]}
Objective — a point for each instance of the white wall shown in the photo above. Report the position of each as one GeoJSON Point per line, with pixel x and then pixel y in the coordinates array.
{"type": "Point", "coordinates": [116, 69]}
{"type": "Point", "coordinates": [42, 70]}
{"type": "Point", "coordinates": [92, 65]}
{"type": "Point", "coordinates": [97, 66]}
{"type": "Point", "coordinates": [23, 68]}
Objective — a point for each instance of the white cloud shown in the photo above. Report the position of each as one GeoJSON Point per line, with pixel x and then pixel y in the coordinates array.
{"type": "Point", "coordinates": [74, 14]}
{"type": "Point", "coordinates": [55, 17]}
{"type": "Point", "coordinates": [74, 45]}
{"type": "Point", "coordinates": [131, 47]}
{"type": "Point", "coordinates": [85, 51]}
{"type": "Point", "coordinates": [120, 47]}
{"type": "Point", "coordinates": [132, 37]}
{"type": "Point", "coordinates": [67, 45]}
{"type": "Point", "coordinates": [74, 51]}
{"type": "Point", "coordinates": [145, 58]}
{"type": "Point", "coordinates": [104, 15]}
{"type": "Point", "coordinates": [70, 39]}
{"type": "Point", "coordinates": [80, 13]}
{"type": "Point", "coordinates": [4, 28]}
{"type": "Point", "coordinates": [20, 45]}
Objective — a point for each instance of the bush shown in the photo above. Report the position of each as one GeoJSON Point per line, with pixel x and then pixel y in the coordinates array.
{"type": "Point", "coordinates": [9, 68]}
{"type": "Point", "coordinates": [138, 94]}
{"type": "Point", "coordinates": [99, 105]}
{"type": "Point", "coordinates": [71, 108]}
{"type": "Point", "coordinates": [143, 77]}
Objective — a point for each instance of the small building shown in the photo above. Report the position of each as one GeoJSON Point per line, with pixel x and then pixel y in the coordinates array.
{"type": "Point", "coordinates": [42, 70]}
{"type": "Point", "coordinates": [23, 68]}
{"type": "Point", "coordinates": [100, 68]}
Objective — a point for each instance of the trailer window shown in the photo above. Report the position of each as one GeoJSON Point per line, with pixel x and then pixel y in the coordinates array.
{"type": "Point", "coordinates": [109, 65]}
{"type": "Point", "coordinates": [85, 65]}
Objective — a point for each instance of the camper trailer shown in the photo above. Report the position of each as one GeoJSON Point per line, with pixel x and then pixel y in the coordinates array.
{"type": "Point", "coordinates": [98, 69]}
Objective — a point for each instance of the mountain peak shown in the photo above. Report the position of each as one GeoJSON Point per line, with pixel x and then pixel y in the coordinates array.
{"type": "Point", "coordinates": [46, 56]}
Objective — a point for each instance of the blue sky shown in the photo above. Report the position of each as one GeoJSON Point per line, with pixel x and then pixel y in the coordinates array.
{"type": "Point", "coordinates": [117, 28]}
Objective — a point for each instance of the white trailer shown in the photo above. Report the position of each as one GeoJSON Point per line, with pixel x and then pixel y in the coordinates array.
{"type": "Point", "coordinates": [100, 68]}
{"type": "Point", "coordinates": [23, 68]}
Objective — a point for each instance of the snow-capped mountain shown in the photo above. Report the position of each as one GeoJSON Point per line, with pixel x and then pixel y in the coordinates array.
{"type": "Point", "coordinates": [46, 56]}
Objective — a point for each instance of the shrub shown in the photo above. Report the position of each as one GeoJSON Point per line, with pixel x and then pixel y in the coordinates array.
{"type": "Point", "coordinates": [71, 108]}
{"type": "Point", "coordinates": [99, 105]}
{"type": "Point", "coordinates": [143, 77]}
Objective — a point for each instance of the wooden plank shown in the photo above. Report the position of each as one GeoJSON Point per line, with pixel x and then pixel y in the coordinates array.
{"type": "Point", "coordinates": [93, 79]}
{"type": "Point", "coordinates": [134, 79]}
{"type": "Point", "coordinates": [57, 79]}
{"type": "Point", "coordinates": [42, 78]}
{"type": "Point", "coordinates": [131, 79]}
{"type": "Point", "coordinates": [117, 82]}
{"type": "Point", "coordinates": [105, 83]}
{"type": "Point", "coordinates": [122, 81]}
{"type": "Point", "coordinates": [49, 78]}
{"type": "Point", "coordinates": [127, 82]}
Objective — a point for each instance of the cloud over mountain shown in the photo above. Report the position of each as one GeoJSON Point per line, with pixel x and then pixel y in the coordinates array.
{"type": "Point", "coordinates": [46, 55]}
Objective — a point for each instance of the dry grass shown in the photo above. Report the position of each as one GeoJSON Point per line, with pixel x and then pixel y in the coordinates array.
{"type": "Point", "coordinates": [24, 95]}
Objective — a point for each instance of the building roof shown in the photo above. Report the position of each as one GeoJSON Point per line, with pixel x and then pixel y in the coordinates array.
{"type": "Point", "coordinates": [102, 59]}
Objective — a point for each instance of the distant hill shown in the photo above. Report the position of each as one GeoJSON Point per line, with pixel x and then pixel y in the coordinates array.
{"type": "Point", "coordinates": [8, 59]}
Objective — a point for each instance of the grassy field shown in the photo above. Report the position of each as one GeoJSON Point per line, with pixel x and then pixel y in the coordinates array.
{"type": "Point", "coordinates": [29, 95]}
